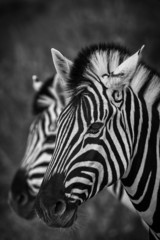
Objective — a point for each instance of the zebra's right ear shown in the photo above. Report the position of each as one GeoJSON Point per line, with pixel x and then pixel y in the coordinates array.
{"type": "Point", "coordinates": [62, 65]}
{"type": "Point", "coordinates": [36, 83]}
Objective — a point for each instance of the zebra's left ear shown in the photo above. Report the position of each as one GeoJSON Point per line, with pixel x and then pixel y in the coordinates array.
{"type": "Point", "coordinates": [122, 75]}
{"type": "Point", "coordinates": [62, 65]}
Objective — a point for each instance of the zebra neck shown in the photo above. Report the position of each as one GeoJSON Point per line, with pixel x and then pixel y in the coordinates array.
{"type": "Point", "coordinates": [141, 180]}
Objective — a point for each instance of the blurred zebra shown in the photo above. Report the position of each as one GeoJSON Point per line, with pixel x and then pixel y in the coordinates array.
{"type": "Point", "coordinates": [48, 102]}
{"type": "Point", "coordinates": [47, 105]}
{"type": "Point", "coordinates": [109, 131]}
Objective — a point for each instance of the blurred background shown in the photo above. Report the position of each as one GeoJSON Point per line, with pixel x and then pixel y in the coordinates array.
{"type": "Point", "coordinates": [28, 30]}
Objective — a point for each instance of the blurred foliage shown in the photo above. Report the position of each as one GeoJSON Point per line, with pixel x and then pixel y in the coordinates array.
{"type": "Point", "coordinates": [28, 29]}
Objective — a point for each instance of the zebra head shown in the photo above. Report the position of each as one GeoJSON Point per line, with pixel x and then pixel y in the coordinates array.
{"type": "Point", "coordinates": [47, 105]}
{"type": "Point", "coordinates": [93, 147]}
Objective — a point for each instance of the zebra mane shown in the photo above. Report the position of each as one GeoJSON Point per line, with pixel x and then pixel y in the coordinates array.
{"type": "Point", "coordinates": [102, 58]}
{"type": "Point", "coordinates": [84, 61]}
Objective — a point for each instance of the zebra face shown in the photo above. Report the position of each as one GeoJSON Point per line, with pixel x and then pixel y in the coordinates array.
{"type": "Point", "coordinates": [92, 147]}
{"type": "Point", "coordinates": [39, 149]}
{"type": "Point", "coordinates": [80, 157]}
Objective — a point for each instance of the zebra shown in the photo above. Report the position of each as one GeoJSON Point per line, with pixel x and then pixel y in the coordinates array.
{"type": "Point", "coordinates": [108, 131]}
{"type": "Point", "coordinates": [47, 105]}
{"type": "Point", "coordinates": [48, 102]}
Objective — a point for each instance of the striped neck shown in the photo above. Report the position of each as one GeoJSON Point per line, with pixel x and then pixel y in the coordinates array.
{"type": "Point", "coordinates": [141, 179]}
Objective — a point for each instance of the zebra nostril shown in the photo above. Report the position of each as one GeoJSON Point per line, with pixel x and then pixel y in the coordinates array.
{"type": "Point", "coordinates": [59, 207]}
{"type": "Point", "coordinates": [22, 199]}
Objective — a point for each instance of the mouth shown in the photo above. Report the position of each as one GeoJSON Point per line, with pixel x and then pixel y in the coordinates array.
{"type": "Point", "coordinates": [72, 220]}
{"type": "Point", "coordinates": [65, 221]}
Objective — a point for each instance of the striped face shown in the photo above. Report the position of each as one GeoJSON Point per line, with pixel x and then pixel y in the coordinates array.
{"type": "Point", "coordinates": [92, 146]}
{"type": "Point", "coordinates": [40, 145]}
{"type": "Point", "coordinates": [47, 106]}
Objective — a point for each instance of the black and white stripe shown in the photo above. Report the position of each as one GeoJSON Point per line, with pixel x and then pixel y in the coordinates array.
{"type": "Point", "coordinates": [109, 131]}
{"type": "Point", "coordinates": [48, 103]}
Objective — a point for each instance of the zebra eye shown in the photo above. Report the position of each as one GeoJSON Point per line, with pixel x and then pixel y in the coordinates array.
{"type": "Point", "coordinates": [95, 127]}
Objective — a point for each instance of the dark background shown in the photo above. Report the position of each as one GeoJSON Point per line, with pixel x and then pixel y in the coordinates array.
{"type": "Point", "coordinates": [28, 30]}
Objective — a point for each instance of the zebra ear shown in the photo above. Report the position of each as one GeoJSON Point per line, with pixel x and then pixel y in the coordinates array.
{"type": "Point", "coordinates": [122, 75]}
{"type": "Point", "coordinates": [62, 64]}
{"type": "Point", "coordinates": [58, 86]}
{"type": "Point", "coordinates": [37, 84]}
